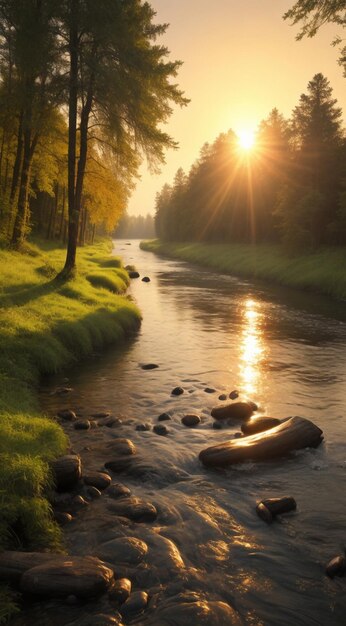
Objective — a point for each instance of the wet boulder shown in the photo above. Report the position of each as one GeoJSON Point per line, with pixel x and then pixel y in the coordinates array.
{"type": "Point", "coordinates": [83, 577]}
{"type": "Point", "coordinates": [14, 563]}
{"type": "Point", "coordinates": [97, 619]}
{"type": "Point", "coordinates": [62, 518]}
{"type": "Point", "coordinates": [237, 411]}
{"type": "Point", "coordinates": [67, 471]}
{"type": "Point", "coordinates": [209, 390]}
{"type": "Point", "coordinates": [177, 391]}
{"type": "Point", "coordinates": [223, 397]}
{"type": "Point", "coordinates": [133, 274]}
{"type": "Point", "coordinates": [293, 434]}
{"type": "Point", "coordinates": [143, 427]}
{"type": "Point", "coordinates": [259, 424]}
{"type": "Point", "coordinates": [119, 463]}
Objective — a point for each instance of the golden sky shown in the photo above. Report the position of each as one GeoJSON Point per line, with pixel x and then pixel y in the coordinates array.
{"type": "Point", "coordinates": [241, 60]}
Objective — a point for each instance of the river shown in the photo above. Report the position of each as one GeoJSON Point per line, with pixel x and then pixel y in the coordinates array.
{"type": "Point", "coordinates": [284, 350]}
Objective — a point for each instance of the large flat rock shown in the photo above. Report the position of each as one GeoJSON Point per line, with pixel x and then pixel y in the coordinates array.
{"type": "Point", "coordinates": [134, 508]}
{"type": "Point", "coordinates": [83, 577]}
{"type": "Point", "coordinates": [293, 434]}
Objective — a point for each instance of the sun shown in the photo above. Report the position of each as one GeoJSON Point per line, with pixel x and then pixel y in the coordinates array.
{"type": "Point", "coordinates": [246, 139]}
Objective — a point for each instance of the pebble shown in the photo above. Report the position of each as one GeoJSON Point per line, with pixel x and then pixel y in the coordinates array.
{"type": "Point", "coordinates": [233, 395]}
{"type": "Point", "coordinates": [82, 425]}
{"type": "Point", "coordinates": [146, 279]}
{"type": "Point", "coordinates": [236, 410]}
{"type": "Point", "coordinates": [92, 492]}
{"type": "Point", "coordinates": [177, 391]}
{"type": "Point", "coordinates": [269, 508]}
{"type": "Point", "coordinates": [191, 420]}
{"type": "Point", "coordinates": [336, 567]}
{"type": "Point", "coordinates": [136, 603]}
{"type": "Point", "coordinates": [79, 501]}
{"type": "Point", "coordinates": [149, 366]}
{"type": "Point", "coordinates": [209, 390]}
{"type": "Point", "coordinates": [100, 480]}
{"type": "Point", "coordinates": [67, 414]}
{"type": "Point", "coordinates": [62, 518]}
{"type": "Point", "coordinates": [143, 426]}
{"type": "Point", "coordinates": [133, 274]}
{"type": "Point", "coordinates": [117, 490]}
{"type": "Point", "coordinates": [120, 591]}
{"type": "Point", "coordinates": [223, 397]}
{"type": "Point", "coordinates": [164, 417]}
{"type": "Point", "coordinates": [161, 429]}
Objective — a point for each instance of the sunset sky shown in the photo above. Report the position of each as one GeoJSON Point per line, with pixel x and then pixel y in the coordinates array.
{"type": "Point", "coordinates": [241, 60]}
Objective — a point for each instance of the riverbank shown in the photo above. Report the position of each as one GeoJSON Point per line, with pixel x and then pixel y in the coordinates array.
{"type": "Point", "coordinates": [45, 325]}
{"type": "Point", "coordinates": [321, 272]}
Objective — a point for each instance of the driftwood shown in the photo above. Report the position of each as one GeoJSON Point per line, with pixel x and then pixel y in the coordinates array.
{"type": "Point", "coordinates": [293, 434]}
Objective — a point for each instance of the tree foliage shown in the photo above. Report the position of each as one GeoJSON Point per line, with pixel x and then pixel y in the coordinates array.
{"type": "Point", "coordinates": [290, 188]}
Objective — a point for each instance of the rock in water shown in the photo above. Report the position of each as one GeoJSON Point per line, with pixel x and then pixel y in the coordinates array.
{"type": "Point", "coordinates": [83, 577]}
{"type": "Point", "coordinates": [128, 550]}
{"type": "Point", "coordinates": [120, 590]}
{"type": "Point", "coordinates": [259, 424]}
{"type": "Point", "coordinates": [234, 394]}
{"type": "Point", "coordinates": [294, 434]}
{"type": "Point", "coordinates": [223, 397]}
{"type": "Point", "coordinates": [67, 471]}
{"type": "Point", "coordinates": [100, 480]}
{"type": "Point", "coordinates": [149, 366]}
{"type": "Point", "coordinates": [164, 417]}
{"type": "Point", "coordinates": [161, 429]}
{"type": "Point", "coordinates": [117, 490]}
{"type": "Point", "coordinates": [177, 391]}
{"type": "Point", "coordinates": [236, 411]}
{"type": "Point", "coordinates": [143, 427]}
{"type": "Point", "coordinates": [67, 414]}
{"type": "Point", "coordinates": [133, 274]}
{"type": "Point", "coordinates": [336, 567]}
{"type": "Point", "coordinates": [136, 603]}
{"type": "Point", "coordinates": [135, 509]}
{"type": "Point", "coordinates": [191, 420]}
{"type": "Point", "coordinates": [82, 425]}
{"type": "Point", "coordinates": [269, 508]}
{"type": "Point", "coordinates": [146, 279]}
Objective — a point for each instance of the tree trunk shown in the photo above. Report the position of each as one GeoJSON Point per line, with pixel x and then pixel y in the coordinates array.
{"type": "Point", "coordinates": [73, 216]}
{"type": "Point", "coordinates": [21, 217]}
{"type": "Point", "coordinates": [62, 213]}
{"type": "Point", "coordinates": [18, 159]}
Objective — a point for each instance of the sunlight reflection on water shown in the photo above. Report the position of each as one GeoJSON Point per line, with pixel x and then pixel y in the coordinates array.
{"type": "Point", "coordinates": [252, 347]}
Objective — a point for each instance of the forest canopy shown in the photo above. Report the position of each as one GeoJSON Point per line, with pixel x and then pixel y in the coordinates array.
{"type": "Point", "coordinates": [290, 187]}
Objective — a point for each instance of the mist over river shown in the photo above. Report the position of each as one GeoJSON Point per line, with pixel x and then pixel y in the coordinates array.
{"type": "Point", "coordinates": [284, 350]}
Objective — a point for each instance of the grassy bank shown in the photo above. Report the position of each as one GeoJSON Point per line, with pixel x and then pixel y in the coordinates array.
{"type": "Point", "coordinates": [45, 325]}
{"type": "Point", "coordinates": [322, 272]}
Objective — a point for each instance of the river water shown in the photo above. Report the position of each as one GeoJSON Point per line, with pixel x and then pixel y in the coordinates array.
{"type": "Point", "coordinates": [282, 349]}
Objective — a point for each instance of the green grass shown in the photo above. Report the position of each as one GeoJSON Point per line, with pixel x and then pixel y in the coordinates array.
{"type": "Point", "coordinates": [44, 326]}
{"type": "Point", "coordinates": [323, 271]}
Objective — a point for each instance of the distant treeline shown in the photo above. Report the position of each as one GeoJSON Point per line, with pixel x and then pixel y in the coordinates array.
{"type": "Point", "coordinates": [290, 187]}
{"type": "Point", "coordinates": [135, 227]}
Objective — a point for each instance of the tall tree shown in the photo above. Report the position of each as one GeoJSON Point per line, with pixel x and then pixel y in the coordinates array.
{"type": "Point", "coordinates": [120, 90]}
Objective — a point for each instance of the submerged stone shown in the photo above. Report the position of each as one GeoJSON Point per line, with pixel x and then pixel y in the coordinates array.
{"type": "Point", "coordinates": [146, 279]}
{"type": "Point", "coordinates": [67, 414]}
{"type": "Point", "coordinates": [135, 509]}
{"type": "Point", "coordinates": [164, 417]}
{"type": "Point", "coordinates": [120, 590]}
{"type": "Point", "coordinates": [177, 391]}
{"type": "Point", "coordinates": [160, 429]}
{"type": "Point", "coordinates": [117, 490]}
{"type": "Point", "coordinates": [100, 480]}
{"type": "Point", "coordinates": [82, 425]}
{"type": "Point", "coordinates": [149, 366]}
